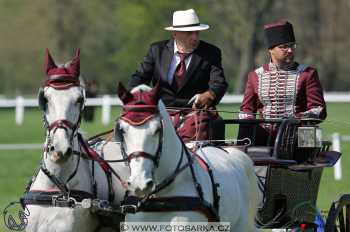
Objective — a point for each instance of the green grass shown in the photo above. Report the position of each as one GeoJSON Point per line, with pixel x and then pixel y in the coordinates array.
{"type": "Point", "coordinates": [16, 167]}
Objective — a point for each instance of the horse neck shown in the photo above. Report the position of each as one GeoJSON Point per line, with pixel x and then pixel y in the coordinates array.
{"type": "Point", "coordinates": [172, 150]}
{"type": "Point", "coordinates": [81, 180]}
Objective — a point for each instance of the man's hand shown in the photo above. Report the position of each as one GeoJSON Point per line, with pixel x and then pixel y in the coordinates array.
{"type": "Point", "coordinates": [204, 100]}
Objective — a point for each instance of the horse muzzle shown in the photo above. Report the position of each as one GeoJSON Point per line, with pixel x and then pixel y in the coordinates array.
{"type": "Point", "coordinates": [59, 156]}
{"type": "Point", "coordinates": [141, 191]}
{"type": "Point", "coordinates": [141, 187]}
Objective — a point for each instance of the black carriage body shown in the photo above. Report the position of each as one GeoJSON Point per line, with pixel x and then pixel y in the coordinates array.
{"type": "Point", "coordinates": [289, 175]}
{"type": "Point", "coordinates": [289, 198]}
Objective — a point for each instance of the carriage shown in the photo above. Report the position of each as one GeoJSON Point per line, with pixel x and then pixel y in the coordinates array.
{"type": "Point", "coordinates": [289, 171]}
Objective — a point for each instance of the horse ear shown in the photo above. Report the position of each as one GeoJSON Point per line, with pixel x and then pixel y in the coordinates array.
{"type": "Point", "coordinates": [74, 67]}
{"type": "Point", "coordinates": [123, 93]}
{"type": "Point", "coordinates": [49, 62]}
{"type": "Point", "coordinates": [155, 92]}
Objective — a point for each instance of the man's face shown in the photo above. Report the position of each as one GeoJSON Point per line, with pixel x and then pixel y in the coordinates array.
{"type": "Point", "coordinates": [283, 54]}
{"type": "Point", "coordinates": [187, 40]}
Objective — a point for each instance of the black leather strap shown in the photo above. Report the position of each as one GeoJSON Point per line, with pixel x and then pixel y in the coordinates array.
{"type": "Point", "coordinates": [55, 198]}
{"type": "Point", "coordinates": [133, 204]}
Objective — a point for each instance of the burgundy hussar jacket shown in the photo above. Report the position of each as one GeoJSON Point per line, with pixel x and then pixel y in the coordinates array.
{"type": "Point", "coordinates": [277, 93]}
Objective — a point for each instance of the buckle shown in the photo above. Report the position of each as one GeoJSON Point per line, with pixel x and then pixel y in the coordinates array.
{"type": "Point", "coordinates": [62, 201]}
{"type": "Point", "coordinates": [56, 201]}
{"type": "Point", "coordinates": [86, 203]}
{"type": "Point", "coordinates": [102, 207]}
{"type": "Point", "coordinates": [124, 209]}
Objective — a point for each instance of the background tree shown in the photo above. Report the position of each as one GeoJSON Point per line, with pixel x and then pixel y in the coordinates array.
{"type": "Point", "coordinates": [115, 35]}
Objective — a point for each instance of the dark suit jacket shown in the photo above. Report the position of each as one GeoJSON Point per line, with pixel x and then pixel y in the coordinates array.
{"type": "Point", "coordinates": [204, 72]}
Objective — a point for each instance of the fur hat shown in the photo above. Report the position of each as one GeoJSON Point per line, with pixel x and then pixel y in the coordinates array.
{"type": "Point", "coordinates": [277, 33]}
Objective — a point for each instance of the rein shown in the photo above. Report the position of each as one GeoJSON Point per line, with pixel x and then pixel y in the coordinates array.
{"type": "Point", "coordinates": [92, 154]}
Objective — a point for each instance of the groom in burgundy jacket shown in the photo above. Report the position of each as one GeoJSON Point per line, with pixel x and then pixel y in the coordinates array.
{"type": "Point", "coordinates": [282, 88]}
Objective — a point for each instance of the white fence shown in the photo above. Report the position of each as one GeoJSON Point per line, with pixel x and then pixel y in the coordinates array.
{"type": "Point", "coordinates": [337, 139]}
{"type": "Point", "coordinates": [19, 103]}
{"type": "Point", "coordinates": [107, 101]}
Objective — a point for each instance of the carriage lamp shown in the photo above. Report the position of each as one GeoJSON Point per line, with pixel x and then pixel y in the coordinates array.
{"type": "Point", "coordinates": [309, 136]}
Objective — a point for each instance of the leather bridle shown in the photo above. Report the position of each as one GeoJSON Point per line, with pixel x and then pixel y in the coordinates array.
{"type": "Point", "coordinates": [155, 204]}
{"type": "Point", "coordinates": [154, 158]}
{"type": "Point", "coordinates": [60, 124]}
{"type": "Point", "coordinates": [51, 129]}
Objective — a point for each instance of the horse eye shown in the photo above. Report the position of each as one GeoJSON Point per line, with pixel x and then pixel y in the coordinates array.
{"type": "Point", "coordinates": [80, 100]}
{"type": "Point", "coordinates": [157, 130]}
{"type": "Point", "coordinates": [121, 129]}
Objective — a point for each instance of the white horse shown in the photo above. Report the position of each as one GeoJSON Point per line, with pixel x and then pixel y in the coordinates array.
{"type": "Point", "coordinates": [66, 175]}
{"type": "Point", "coordinates": [175, 184]}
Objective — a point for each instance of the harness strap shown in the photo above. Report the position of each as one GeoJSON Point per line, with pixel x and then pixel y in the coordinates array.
{"type": "Point", "coordinates": [54, 198]}
{"type": "Point", "coordinates": [93, 155]}
{"type": "Point", "coordinates": [182, 203]}
{"type": "Point", "coordinates": [154, 158]}
{"type": "Point", "coordinates": [194, 178]}
{"type": "Point", "coordinates": [62, 123]}
{"type": "Point", "coordinates": [215, 185]}
{"type": "Point", "coordinates": [167, 181]}
{"type": "Point", "coordinates": [166, 204]}
{"type": "Point", "coordinates": [92, 140]}
{"type": "Point", "coordinates": [63, 187]}
{"type": "Point", "coordinates": [143, 155]}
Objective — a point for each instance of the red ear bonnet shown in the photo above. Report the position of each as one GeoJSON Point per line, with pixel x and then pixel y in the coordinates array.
{"type": "Point", "coordinates": [62, 77]}
{"type": "Point", "coordinates": [140, 106]}
{"type": "Point", "coordinates": [124, 95]}
{"type": "Point", "coordinates": [74, 67]}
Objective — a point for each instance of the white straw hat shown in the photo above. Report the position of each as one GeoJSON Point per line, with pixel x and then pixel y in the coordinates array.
{"type": "Point", "coordinates": [186, 20]}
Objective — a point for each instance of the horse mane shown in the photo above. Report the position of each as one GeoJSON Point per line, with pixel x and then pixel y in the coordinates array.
{"type": "Point", "coordinates": [141, 87]}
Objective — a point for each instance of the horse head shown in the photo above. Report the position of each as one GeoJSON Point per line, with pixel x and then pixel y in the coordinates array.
{"type": "Point", "coordinates": [140, 131]}
{"type": "Point", "coordinates": [62, 101]}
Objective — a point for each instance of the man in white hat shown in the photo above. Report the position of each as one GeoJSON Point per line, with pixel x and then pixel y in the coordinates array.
{"type": "Point", "coordinates": [189, 71]}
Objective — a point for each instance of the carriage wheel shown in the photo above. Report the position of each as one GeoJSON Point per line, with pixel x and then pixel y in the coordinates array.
{"type": "Point", "coordinates": [338, 219]}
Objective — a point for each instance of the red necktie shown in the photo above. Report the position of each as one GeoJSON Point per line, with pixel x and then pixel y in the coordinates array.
{"type": "Point", "coordinates": [180, 70]}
